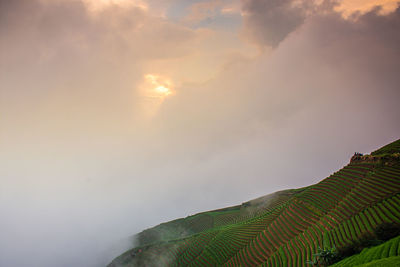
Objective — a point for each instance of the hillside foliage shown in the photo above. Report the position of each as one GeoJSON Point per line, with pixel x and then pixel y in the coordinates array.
{"type": "Point", "coordinates": [344, 211]}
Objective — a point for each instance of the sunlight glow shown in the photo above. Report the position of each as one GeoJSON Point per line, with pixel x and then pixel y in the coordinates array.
{"type": "Point", "coordinates": [154, 90]}
{"type": "Point", "coordinates": [162, 90]}
{"type": "Point", "coordinates": [158, 86]}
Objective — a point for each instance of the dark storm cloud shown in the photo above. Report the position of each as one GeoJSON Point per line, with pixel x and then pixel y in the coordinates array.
{"type": "Point", "coordinates": [268, 22]}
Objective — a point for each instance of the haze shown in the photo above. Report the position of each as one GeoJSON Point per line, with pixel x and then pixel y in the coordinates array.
{"type": "Point", "coordinates": [117, 115]}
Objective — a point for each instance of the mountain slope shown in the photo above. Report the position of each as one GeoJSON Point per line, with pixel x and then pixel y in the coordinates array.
{"type": "Point", "coordinates": [388, 250]}
{"type": "Point", "coordinates": [284, 228]}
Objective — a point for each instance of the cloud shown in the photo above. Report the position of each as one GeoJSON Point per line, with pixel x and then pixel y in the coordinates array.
{"type": "Point", "coordinates": [62, 25]}
{"type": "Point", "coordinates": [70, 81]}
{"type": "Point", "coordinates": [210, 10]}
{"type": "Point", "coordinates": [268, 22]}
{"type": "Point", "coordinates": [79, 170]}
{"type": "Point", "coordinates": [70, 60]}
{"type": "Point", "coordinates": [349, 7]}
{"type": "Point", "coordinates": [203, 10]}
{"type": "Point", "coordinates": [332, 80]}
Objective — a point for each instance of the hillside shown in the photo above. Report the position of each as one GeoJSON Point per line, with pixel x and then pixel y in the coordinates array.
{"type": "Point", "coordinates": [285, 228]}
{"type": "Point", "coordinates": [386, 254]}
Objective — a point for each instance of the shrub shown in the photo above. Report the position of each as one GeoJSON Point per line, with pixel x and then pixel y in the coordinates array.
{"type": "Point", "coordinates": [386, 231]}
{"type": "Point", "coordinates": [324, 257]}
{"type": "Point", "coordinates": [356, 246]}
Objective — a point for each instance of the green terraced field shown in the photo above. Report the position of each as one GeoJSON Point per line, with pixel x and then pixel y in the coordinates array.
{"type": "Point", "coordinates": [387, 253]}
{"type": "Point", "coordinates": [287, 227]}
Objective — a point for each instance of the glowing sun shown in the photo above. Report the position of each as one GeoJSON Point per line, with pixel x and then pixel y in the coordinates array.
{"type": "Point", "coordinates": [158, 86]}
{"type": "Point", "coordinates": [154, 90]}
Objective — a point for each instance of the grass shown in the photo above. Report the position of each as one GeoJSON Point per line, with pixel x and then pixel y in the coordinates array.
{"type": "Point", "coordinates": [386, 253]}
{"type": "Point", "coordinates": [387, 262]}
{"type": "Point", "coordinates": [391, 148]}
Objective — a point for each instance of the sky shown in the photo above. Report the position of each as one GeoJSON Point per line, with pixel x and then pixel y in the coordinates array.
{"type": "Point", "coordinates": [117, 115]}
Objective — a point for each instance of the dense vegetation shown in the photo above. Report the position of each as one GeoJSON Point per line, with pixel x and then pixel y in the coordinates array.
{"type": "Point", "coordinates": [351, 210]}
{"type": "Point", "coordinates": [387, 253]}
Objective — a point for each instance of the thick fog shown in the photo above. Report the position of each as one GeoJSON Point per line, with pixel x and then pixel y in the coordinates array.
{"type": "Point", "coordinates": [88, 157]}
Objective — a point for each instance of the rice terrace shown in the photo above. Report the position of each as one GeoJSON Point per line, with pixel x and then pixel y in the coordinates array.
{"type": "Point", "coordinates": [354, 210]}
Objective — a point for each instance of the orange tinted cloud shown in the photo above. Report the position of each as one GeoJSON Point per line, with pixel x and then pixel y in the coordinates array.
{"type": "Point", "coordinates": [351, 6]}
{"type": "Point", "coordinates": [99, 5]}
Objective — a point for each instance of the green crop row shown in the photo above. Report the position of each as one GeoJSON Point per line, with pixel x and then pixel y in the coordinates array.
{"type": "Point", "coordinates": [390, 248]}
